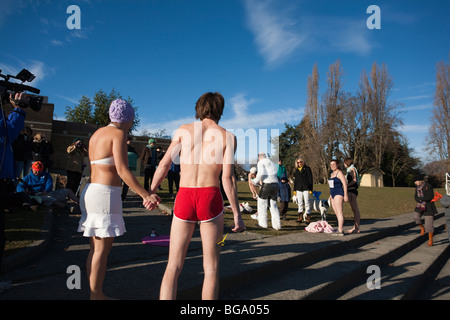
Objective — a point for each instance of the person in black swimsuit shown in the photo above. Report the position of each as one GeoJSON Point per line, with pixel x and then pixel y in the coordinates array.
{"type": "Point", "coordinates": [352, 189]}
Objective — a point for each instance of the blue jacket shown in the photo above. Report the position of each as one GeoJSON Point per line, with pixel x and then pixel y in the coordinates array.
{"type": "Point", "coordinates": [284, 191]}
{"type": "Point", "coordinates": [9, 130]}
{"type": "Point", "coordinates": [174, 167]}
{"type": "Point", "coordinates": [39, 183]}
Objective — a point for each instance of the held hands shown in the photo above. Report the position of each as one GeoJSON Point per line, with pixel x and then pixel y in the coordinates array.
{"type": "Point", "coordinates": [151, 201]}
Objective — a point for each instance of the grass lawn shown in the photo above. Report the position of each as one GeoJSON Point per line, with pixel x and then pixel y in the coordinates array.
{"type": "Point", "coordinates": [22, 227]}
{"type": "Point", "coordinates": [374, 203]}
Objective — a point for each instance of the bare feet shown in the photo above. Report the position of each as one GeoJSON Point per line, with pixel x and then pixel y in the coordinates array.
{"type": "Point", "coordinates": [101, 297]}
{"type": "Point", "coordinates": [354, 230]}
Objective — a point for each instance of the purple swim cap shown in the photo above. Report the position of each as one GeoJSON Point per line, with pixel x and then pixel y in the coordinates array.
{"type": "Point", "coordinates": [121, 111]}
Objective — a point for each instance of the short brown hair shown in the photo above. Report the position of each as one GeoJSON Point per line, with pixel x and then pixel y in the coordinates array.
{"type": "Point", "coordinates": [348, 161]}
{"type": "Point", "coordinates": [210, 106]}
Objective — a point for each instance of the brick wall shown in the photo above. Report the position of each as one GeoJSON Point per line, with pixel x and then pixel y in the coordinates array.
{"type": "Point", "coordinates": [62, 133]}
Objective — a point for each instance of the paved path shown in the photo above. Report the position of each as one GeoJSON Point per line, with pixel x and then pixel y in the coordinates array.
{"type": "Point", "coordinates": [253, 266]}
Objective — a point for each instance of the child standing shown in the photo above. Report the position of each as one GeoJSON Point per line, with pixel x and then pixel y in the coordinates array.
{"type": "Point", "coordinates": [284, 194]}
{"type": "Point", "coordinates": [424, 208]}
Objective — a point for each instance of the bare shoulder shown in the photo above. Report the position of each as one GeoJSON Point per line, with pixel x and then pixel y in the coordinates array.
{"type": "Point", "coordinates": [230, 138]}
{"type": "Point", "coordinates": [183, 131]}
{"type": "Point", "coordinates": [107, 135]}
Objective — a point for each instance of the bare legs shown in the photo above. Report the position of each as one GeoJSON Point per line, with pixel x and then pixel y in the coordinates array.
{"type": "Point", "coordinates": [96, 265]}
{"type": "Point", "coordinates": [356, 214]}
{"type": "Point", "coordinates": [180, 237]}
{"type": "Point", "coordinates": [338, 207]}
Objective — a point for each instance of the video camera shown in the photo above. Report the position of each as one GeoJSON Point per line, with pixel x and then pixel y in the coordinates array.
{"type": "Point", "coordinates": [7, 87]}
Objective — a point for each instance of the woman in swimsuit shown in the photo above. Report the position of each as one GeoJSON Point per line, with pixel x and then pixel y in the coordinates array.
{"type": "Point", "coordinates": [205, 150]}
{"type": "Point", "coordinates": [338, 194]}
{"type": "Point", "coordinates": [100, 203]}
{"type": "Point", "coordinates": [352, 188]}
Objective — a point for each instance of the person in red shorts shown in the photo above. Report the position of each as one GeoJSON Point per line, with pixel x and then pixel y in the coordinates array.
{"type": "Point", "coordinates": [205, 150]}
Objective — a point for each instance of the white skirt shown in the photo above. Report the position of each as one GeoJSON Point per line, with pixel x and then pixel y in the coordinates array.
{"type": "Point", "coordinates": [101, 211]}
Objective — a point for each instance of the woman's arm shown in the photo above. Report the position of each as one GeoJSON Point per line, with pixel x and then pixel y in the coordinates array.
{"type": "Point", "coordinates": [119, 150]}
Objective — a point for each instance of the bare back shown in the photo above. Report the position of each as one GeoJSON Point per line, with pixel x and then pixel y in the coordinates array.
{"type": "Point", "coordinates": [104, 143]}
{"type": "Point", "coordinates": [203, 151]}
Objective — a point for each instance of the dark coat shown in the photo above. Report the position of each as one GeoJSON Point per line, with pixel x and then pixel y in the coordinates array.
{"type": "Point", "coordinates": [284, 191]}
{"type": "Point", "coordinates": [151, 156]}
{"type": "Point", "coordinates": [303, 180]}
{"type": "Point", "coordinates": [428, 195]}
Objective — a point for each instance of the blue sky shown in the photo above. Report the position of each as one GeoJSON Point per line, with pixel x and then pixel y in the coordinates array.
{"type": "Point", "coordinates": [258, 53]}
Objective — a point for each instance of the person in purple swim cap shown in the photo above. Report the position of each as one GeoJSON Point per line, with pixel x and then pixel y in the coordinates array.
{"type": "Point", "coordinates": [100, 201]}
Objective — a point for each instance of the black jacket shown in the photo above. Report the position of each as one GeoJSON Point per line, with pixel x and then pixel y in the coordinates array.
{"type": "Point", "coordinates": [428, 195]}
{"type": "Point", "coordinates": [303, 180]}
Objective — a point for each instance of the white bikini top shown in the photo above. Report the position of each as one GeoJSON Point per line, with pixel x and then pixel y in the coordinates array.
{"type": "Point", "coordinates": [109, 160]}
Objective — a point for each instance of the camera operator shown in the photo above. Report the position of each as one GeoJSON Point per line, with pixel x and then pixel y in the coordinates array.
{"type": "Point", "coordinates": [10, 127]}
{"type": "Point", "coordinates": [75, 164]}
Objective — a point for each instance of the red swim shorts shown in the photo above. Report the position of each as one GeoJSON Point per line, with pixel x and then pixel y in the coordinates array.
{"type": "Point", "coordinates": [198, 204]}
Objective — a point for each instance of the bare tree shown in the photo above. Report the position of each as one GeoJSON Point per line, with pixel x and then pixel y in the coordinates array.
{"type": "Point", "coordinates": [399, 158]}
{"type": "Point", "coordinates": [383, 115]}
{"type": "Point", "coordinates": [439, 133]}
{"type": "Point", "coordinates": [313, 125]}
{"type": "Point", "coordinates": [361, 125]}
{"type": "Point", "coordinates": [334, 111]}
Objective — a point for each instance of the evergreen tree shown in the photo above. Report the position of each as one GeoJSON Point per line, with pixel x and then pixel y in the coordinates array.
{"type": "Point", "coordinates": [97, 110]}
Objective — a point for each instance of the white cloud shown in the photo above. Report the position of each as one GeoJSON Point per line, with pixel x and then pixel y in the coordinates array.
{"type": "Point", "coordinates": [414, 128]}
{"type": "Point", "coordinates": [279, 36]}
{"type": "Point", "coordinates": [424, 85]}
{"type": "Point", "coordinates": [56, 43]}
{"type": "Point", "coordinates": [170, 126]}
{"type": "Point", "coordinates": [424, 96]}
{"type": "Point", "coordinates": [341, 34]}
{"type": "Point", "coordinates": [242, 118]}
{"type": "Point", "coordinates": [69, 99]}
{"type": "Point", "coordinates": [273, 31]}
{"type": "Point", "coordinates": [38, 68]}
{"type": "Point", "coordinates": [424, 106]}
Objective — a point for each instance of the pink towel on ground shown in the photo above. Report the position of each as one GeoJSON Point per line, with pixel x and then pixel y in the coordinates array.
{"type": "Point", "coordinates": [319, 226]}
